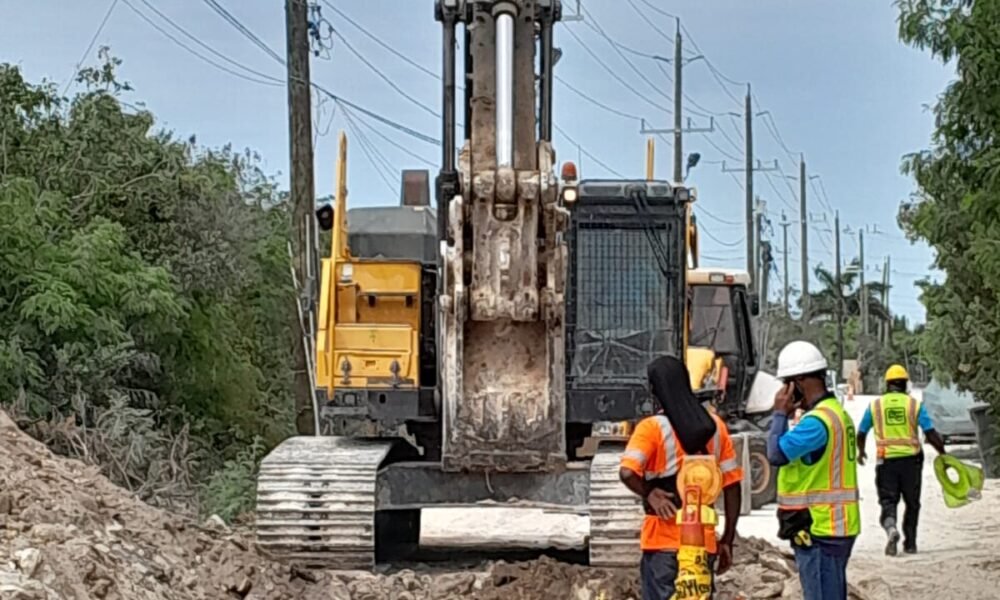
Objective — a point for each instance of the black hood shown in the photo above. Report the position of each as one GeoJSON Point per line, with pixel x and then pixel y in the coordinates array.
{"type": "Point", "coordinates": [670, 384]}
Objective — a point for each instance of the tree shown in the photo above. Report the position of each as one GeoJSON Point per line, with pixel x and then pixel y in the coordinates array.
{"type": "Point", "coordinates": [144, 291]}
{"type": "Point", "coordinates": [848, 294]}
{"type": "Point", "coordinates": [956, 209]}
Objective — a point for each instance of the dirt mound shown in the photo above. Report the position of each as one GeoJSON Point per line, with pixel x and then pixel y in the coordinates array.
{"type": "Point", "coordinates": [66, 532]}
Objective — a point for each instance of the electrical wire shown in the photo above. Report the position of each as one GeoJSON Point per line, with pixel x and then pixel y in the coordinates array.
{"type": "Point", "coordinates": [273, 81]}
{"type": "Point", "coordinates": [659, 10]}
{"type": "Point", "coordinates": [734, 244]}
{"type": "Point", "coordinates": [594, 24]}
{"type": "Point", "coordinates": [385, 77]}
{"type": "Point", "coordinates": [701, 210]}
{"type": "Point", "coordinates": [269, 81]}
{"type": "Point", "coordinates": [380, 42]}
{"type": "Point", "coordinates": [598, 103]}
{"type": "Point", "coordinates": [612, 72]}
{"type": "Point", "coordinates": [210, 49]}
{"type": "Point", "coordinates": [90, 45]}
{"type": "Point", "coordinates": [370, 152]}
{"type": "Point", "coordinates": [586, 153]}
{"type": "Point", "coordinates": [397, 145]}
{"type": "Point", "coordinates": [228, 17]}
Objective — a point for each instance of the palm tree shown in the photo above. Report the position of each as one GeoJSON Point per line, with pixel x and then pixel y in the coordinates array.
{"type": "Point", "coordinates": [846, 295]}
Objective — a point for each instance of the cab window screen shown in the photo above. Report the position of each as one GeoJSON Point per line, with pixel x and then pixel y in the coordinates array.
{"type": "Point", "coordinates": [626, 305]}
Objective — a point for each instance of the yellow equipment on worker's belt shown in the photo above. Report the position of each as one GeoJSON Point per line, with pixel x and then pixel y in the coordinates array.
{"type": "Point", "coordinates": [967, 488]}
{"type": "Point", "coordinates": [699, 483]}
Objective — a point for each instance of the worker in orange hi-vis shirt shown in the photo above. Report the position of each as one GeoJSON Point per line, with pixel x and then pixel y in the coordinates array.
{"type": "Point", "coordinates": [650, 465]}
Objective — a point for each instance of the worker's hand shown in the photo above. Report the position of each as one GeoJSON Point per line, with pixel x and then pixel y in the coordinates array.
{"type": "Point", "coordinates": [662, 503]}
{"type": "Point", "coordinates": [725, 559]}
{"type": "Point", "coordinates": [862, 457]}
{"type": "Point", "coordinates": [784, 400]}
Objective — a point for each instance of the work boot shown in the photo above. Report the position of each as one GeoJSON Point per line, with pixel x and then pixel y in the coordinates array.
{"type": "Point", "coordinates": [892, 548]}
{"type": "Point", "coordinates": [910, 548]}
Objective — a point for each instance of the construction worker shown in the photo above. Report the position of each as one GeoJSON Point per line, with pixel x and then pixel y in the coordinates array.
{"type": "Point", "coordinates": [899, 470]}
{"type": "Point", "coordinates": [649, 467]}
{"type": "Point", "coordinates": [817, 473]}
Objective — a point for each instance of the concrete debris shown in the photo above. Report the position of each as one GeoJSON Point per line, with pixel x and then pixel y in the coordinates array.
{"type": "Point", "coordinates": [66, 532]}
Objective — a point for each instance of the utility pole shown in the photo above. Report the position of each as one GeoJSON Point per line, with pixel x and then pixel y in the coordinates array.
{"type": "Point", "coordinates": [748, 125]}
{"type": "Point", "coordinates": [752, 239]}
{"type": "Point", "coordinates": [886, 272]}
{"type": "Point", "coordinates": [678, 107]}
{"type": "Point", "coordinates": [302, 187]}
{"type": "Point", "coordinates": [678, 129]}
{"type": "Point", "coordinates": [804, 236]}
{"type": "Point", "coordinates": [760, 274]}
{"type": "Point", "coordinates": [839, 290]}
{"type": "Point", "coordinates": [784, 252]}
{"type": "Point", "coordinates": [864, 296]}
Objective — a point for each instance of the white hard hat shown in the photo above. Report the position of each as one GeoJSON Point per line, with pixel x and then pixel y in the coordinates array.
{"type": "Point", "coordinates": [800, 358]}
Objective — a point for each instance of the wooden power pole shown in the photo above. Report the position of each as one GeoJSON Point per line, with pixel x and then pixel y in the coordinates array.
{"type": "Point", "coordinates": [302, 192]}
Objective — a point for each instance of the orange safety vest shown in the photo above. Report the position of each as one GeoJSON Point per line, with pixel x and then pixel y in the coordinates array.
{"type": "Point", "coordinates": [654, 452]}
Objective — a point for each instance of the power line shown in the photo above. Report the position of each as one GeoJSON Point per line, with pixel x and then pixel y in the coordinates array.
{"type": "Point", "coordinates": [90, 45]}
{"type": "Point", "coordinates": [586, 153]}
{"type": "Point", "coordinates": [271, 81]}
{"type": "Point", "coordinates": [735, 244]}
{"type": "Point", "coordinates": [718, 219]}
{"type": "Point", "coordinates": [228, 17]}
{"type": "Point", "coordinates": [210, 49]}
{"type": "Point", "coordinates": [381, 43]}
{"type": "Point", "coordinates": [659, 10]}
{"type": "Point", "coordinates": [649, 22]}
{"type": "Point", "coordinates": [597, 103]}
{"type": "Point", "coordinates": [716, 74]}
{"type": "Point", "coordinates": [385, 77]}
{"type": "Point", "coordinates": [716, 146]}
{"type": "Point", "coordinates": [594, 25]}
{"type": "Point", "coordinates": [612, 72]}
{"type": "Point", "coordinates": [369, 150]}
{"type": "Point", "coordinates": [397, 145]}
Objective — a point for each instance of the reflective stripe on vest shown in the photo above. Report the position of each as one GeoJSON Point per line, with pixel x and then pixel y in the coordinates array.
{"type": "Point", "coordinates": [672, 464]}
{"type": "Point", "coordinates": [895, 426]}
{"type": "Point", "coordinates": [828, 488]}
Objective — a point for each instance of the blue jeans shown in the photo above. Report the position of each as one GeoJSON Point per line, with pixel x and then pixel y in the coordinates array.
{"type": "Point", "coordinates": [823, 571]}
{"type": "Point", "coordinates": [658, 571]}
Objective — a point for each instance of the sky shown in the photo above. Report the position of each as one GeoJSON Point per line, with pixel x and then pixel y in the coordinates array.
{"type": "Point", "coordinates": [830, 81]}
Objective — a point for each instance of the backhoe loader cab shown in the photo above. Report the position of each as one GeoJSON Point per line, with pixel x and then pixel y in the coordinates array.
{"type": "Point", "coordinates": [720, 308]}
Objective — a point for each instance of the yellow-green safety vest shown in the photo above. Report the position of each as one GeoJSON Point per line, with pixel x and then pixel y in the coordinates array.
{"type": "Point", "coordinates": [828, 488]}
{"type": "Point", "coordinates": [894, 419]}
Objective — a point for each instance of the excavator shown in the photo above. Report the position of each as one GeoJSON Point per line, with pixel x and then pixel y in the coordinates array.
{"type": "Point", "coordinates": [489, 350]}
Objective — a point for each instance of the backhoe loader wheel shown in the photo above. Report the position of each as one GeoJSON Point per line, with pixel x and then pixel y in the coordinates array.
{"type": "Point", "coordinates": [763, 475]}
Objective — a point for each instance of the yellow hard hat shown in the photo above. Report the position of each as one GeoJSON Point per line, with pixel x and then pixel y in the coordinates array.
{"type": "Point", "coordinates": [896, 372]}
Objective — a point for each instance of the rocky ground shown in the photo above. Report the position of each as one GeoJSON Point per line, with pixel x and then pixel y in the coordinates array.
{"type": "Point", "coordinates": [67, 533]}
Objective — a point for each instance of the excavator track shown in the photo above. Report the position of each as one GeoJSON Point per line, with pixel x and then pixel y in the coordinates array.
{"type": "Point", "coordinates": [616, 513]}
{"type": "Point", "coordinates": [316, 502]}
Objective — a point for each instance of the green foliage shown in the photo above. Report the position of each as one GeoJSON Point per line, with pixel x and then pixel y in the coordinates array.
{"type": "Point", "coordinates": [230, 490]}
{"type": "Point", "coordinates": [957, 208]}
{"type": "Point", "coordinates": [141, 278]}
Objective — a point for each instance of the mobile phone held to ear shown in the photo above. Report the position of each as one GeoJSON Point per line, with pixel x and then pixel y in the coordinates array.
{"type": "Point", "coordinates": [797, 396]}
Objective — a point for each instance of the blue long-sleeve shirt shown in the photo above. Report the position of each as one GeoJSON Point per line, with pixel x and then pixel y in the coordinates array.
{"type": "Point", "coordinates": [807, 441]}
{"type": "Point", "coordinates": [923, 419]}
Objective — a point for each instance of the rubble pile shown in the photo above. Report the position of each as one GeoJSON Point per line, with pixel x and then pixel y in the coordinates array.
{"type": "Point", "coordinates": [66, 532]}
